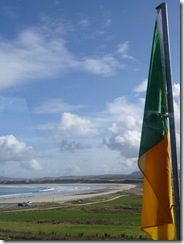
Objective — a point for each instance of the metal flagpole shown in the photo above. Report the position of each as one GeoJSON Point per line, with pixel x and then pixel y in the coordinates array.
{"type": "Point", "coordinates": [163, 8]}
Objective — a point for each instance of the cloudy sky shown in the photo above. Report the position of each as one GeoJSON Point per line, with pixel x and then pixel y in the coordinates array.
{"type": "Point", "coordinates": [72, 84]}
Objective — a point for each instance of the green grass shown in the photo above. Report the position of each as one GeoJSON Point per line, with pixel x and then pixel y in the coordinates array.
{"type": "Point", "coordinates": [118, 219]}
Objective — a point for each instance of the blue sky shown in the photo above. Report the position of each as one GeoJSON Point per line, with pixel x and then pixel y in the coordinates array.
{"type": "Point", "coordinates": [72, 84]}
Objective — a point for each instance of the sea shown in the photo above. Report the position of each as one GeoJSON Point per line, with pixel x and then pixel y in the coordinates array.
{"type": "Point", "coordinates": [16, 191]}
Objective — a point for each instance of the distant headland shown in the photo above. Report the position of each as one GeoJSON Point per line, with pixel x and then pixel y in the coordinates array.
{"type": "Point", "coordinates": [133, 178]}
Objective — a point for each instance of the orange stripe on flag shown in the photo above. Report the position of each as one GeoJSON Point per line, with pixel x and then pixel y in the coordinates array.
{"type": "Point", "coordinates": [157, 211]}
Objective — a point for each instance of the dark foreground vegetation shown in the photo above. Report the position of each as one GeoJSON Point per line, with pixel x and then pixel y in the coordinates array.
{"type": "Point", "coordinates": [109, 217]}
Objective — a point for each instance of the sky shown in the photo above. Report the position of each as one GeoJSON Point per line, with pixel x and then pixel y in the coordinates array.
{"type": "Point", "coordinates": [73, 82]}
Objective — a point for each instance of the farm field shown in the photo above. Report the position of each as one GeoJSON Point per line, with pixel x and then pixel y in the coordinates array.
{"type": "Point", "coordinates": [114, 216]}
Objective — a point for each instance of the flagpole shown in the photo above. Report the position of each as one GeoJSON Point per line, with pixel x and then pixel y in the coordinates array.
{"type": "Point", "coordinates": [163, 8]}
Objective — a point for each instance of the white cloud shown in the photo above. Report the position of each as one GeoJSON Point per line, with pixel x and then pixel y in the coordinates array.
{"type": "Point", "coordinates": [31, 165]}
{"type": "Point", "coordinates": [123, 51]}
{"type": "Point", "coordinates": [32, 55]}
{"type": "Point", "coordinates": [128, 163]}
{"type": "Point", "coordinates": [101, 66]}
{"type": "Point", "coordinates": [84, 22]}
{"type": "Point", "coordinates": [177, 109]}
{"type": "Point", "coordinates": [42, 52]}
{"type": "Point", "coordinates": [141, 87]}
{"type": "Point", "coordinates": [12, 150]}
{"type": "Point", "coordinates": [76, 125]}
{"type": "Point", "coordinates": [122, 108]}
{"type": "Point", "coordinates": [123, 48]}
{"type": "Point", "coordinates": [126, 130]}
{"type": "Point", "coordinates": [176, 90]}
{"type": "Point", "coordinates": [127, 142]}
{"type": "Point", "coordinates": [71, 146]}
{"type": "Point", "coordinates": [128, 121]}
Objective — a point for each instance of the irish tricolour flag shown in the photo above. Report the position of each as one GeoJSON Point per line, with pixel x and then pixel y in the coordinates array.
{"type": "Point", "coordinates": [154, 155]}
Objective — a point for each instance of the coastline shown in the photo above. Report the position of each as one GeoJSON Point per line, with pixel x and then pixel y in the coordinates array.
{"type": "Point", "coordinates": [64, 197]}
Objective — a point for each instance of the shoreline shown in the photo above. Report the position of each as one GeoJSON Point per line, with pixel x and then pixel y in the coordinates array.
{"type": "Point", "coordinates": [65, 197]}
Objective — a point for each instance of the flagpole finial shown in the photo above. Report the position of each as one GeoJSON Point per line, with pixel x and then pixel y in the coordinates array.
{"type": "Point", "coordinates": [159, 7]}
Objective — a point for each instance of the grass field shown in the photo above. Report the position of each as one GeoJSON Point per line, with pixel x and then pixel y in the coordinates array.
{"type": "Point", "coordinates": [110, 217]}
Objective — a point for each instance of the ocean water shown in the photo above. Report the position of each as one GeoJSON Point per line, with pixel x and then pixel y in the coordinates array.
{"type": "Point", "coordinates": [16, 191]}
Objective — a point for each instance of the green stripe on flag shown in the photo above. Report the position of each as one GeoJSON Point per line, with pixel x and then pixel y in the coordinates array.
{"type": "Point", "coordinates": [154, 121]}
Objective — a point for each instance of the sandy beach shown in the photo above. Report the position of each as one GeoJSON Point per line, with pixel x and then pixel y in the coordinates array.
{"type": "Point", "coordinates": [61, 198]}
